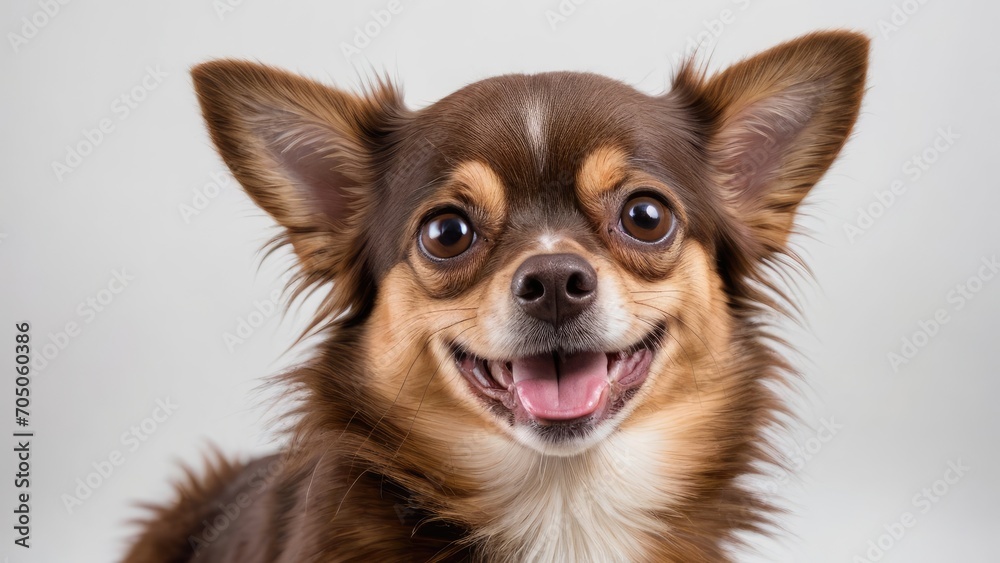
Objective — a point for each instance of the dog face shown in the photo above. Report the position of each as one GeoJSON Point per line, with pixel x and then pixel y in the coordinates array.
{"type": "Point", "coordinates": [549, 261]}
{"type": "Point", "coordinates": [554, 253]}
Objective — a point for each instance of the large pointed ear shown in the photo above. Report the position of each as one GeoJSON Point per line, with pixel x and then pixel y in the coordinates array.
{"type": "Point", "coordinates": [776, 122]}
{"type": "Point", "coordinates": [304, 152]}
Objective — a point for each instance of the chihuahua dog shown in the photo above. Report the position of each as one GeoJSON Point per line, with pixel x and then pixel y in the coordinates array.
{"type": "Point", "coordinates": [543, 335]}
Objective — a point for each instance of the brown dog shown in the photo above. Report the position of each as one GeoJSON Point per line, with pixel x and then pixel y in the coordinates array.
{"type": "Point", "coordinates": [542, 334]}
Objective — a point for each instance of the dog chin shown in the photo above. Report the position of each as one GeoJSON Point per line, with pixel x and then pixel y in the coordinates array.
{"type": "Point", "coordinates": [558, 402]}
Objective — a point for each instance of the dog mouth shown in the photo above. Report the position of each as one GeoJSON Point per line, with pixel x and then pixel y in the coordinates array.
{"type": "Point", "coordinates": [561, 393]}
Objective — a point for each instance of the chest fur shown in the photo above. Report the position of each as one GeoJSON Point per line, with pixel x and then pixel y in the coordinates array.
{"type": "Point", "coordinates": [596, 506]}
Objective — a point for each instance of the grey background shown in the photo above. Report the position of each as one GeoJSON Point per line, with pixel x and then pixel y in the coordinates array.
{"type": "Point", "coordinates": [162, 337]}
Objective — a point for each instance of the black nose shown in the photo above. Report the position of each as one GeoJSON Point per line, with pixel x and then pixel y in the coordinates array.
{"type": "Point", "coordinates": [554, 287]}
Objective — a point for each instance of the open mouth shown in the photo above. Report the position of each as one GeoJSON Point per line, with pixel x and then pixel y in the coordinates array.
{"type": "Point", "coordinates": [561, 393]}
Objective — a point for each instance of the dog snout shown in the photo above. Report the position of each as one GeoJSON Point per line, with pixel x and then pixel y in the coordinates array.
{"type": "Point", "coordinates": [554, 287]}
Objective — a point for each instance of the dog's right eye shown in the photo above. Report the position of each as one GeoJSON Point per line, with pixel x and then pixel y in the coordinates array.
{"type": "Point", "coordinates": [446, 235]}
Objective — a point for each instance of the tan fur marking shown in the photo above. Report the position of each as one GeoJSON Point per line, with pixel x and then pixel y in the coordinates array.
{"type": "Point", "coordinates": [477, 182]}
{"type": "Point", "coordinates": [602, 170]}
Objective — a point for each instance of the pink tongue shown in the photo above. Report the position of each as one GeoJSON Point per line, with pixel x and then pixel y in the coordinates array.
{"type": "Point", "coordinates": [573, 389]}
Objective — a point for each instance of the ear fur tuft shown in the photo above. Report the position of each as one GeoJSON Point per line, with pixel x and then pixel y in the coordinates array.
{"type": "Point", "coordinates": [305, 153]}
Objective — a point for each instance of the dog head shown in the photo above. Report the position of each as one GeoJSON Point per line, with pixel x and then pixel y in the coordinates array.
{"type": "Point", "coordinates": [546, 260]}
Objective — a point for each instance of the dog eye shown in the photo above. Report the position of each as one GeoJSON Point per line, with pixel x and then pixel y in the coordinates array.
{"type": "Point", "coordinates": [646, 219]}
{"type": "Point", "coordinates": [446, 236]}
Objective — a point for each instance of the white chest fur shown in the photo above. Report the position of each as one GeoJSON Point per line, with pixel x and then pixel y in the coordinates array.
{"type": "Point", "coordinates": [594, 506]}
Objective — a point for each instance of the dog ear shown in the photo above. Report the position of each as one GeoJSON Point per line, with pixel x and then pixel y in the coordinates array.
{"type": "Point", "coordinates": [304, 153]}
{"type": "Point", "coordinates": [777, 122]}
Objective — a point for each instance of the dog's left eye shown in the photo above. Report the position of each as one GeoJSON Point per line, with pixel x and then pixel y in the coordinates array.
{"type": "Point", "coordinates": [446, 235]}
{"type": "Point", "coordinates": [647, 219]}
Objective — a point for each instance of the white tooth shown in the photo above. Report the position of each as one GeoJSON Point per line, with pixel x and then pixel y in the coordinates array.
{"type": "Point", "coordinates": [501, 373]}
{"type": "Point", "coordinates": [614, 368]}
{"type": "Point", "coordinates": [478, 371]}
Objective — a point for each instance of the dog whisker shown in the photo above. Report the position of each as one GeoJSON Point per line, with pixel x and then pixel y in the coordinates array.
{"type": "Point", "coordinates": [375, 426]}
{"type": "Point", "coordinates": [704, 344]}
{"type": "Point", "coordinates": [312, 476]}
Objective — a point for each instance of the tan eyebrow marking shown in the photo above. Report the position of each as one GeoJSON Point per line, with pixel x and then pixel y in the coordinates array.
{"type": "Point", "coordinates": [603, 169]}
{"type": "Point", "coordinates": [478, 183]}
